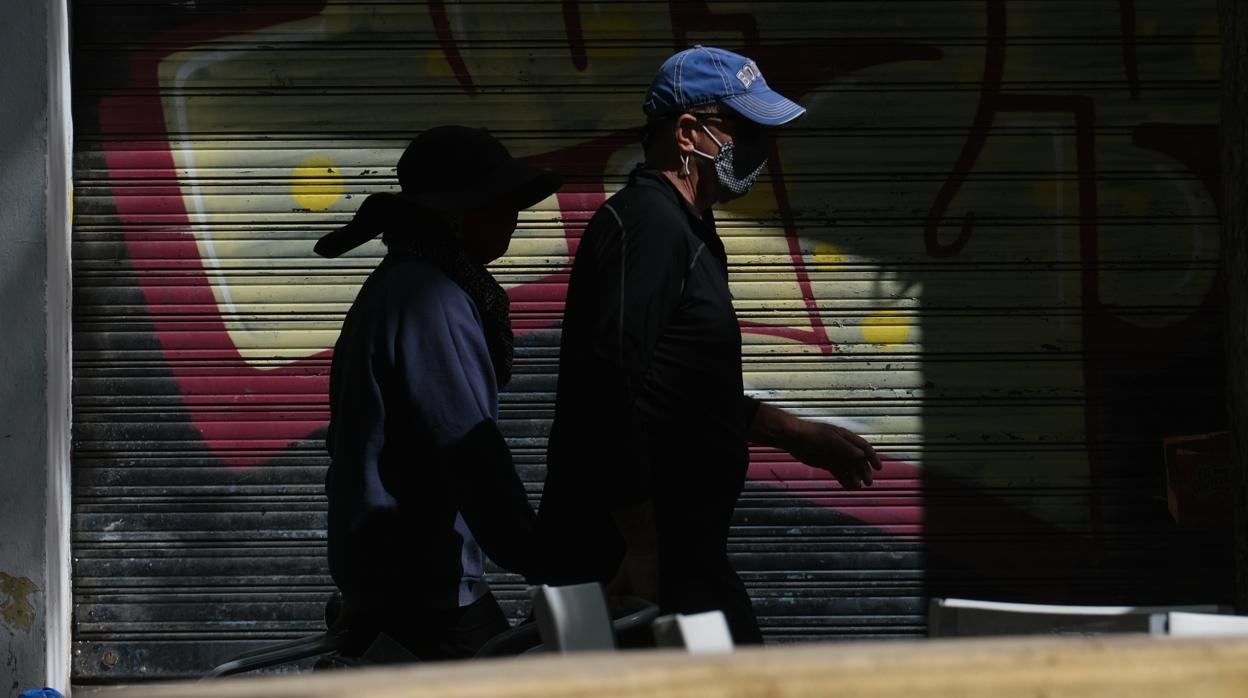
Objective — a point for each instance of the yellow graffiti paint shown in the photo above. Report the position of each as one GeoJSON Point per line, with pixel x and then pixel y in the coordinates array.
{"type": "Point", "coordinates": [316, 183]}
{"type": "Point", "coordinates": [1208, 51]}
{"type": "Point", "coordinates": [342, 18]}
{"type": "Point", "coordinates": [758, 203]}
{"type": "Point", "coordinates": [1137, 203]}
{"type": "Point", "coordinates": [828, 254]}
{"type": "Point", "coordinates": [606, 36]}
{"type": "Point", "coordinates": [1044, 194]}
{"type": "Point", "coordinates": [888, 328]}
{"type": "Point", "coordinates": [436, 65]}
{"type": "Point", "coordinates": [16, 611]}
{"type": "Point", "coordinates": [970, 71]}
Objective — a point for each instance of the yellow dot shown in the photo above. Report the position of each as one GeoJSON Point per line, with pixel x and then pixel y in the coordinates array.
{"type": "Point", "coordinates": [1149, 26]}
{"type": "Point", "coordinates": [316, 183]}
{"type": "Point", "coordinates": [1137, 203]}
{"type": "Point", "coordinates": [970, 71]}
{"type": "Point", "coordinates": [827, 254]}
{"type": "Point", "coordinates": [1208, 47]}
{"type": "Point", "coordinates": [886, 327]}
{"type": "Point", "coordinates": [340, 19]}
{"type": "Point", "coordinates": [436, 65]}
{"type": "Point", "coordinates": [610, 35]}
{"type": "Point", "coordinates": [1045, 195]}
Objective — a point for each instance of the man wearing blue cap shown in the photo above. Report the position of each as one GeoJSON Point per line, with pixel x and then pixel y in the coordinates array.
{"type": "Point", "coordinates": [648, 452]}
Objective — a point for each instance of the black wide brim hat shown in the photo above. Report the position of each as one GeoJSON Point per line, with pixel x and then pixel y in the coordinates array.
{"type": "Point", "coordinates": [448, 170]}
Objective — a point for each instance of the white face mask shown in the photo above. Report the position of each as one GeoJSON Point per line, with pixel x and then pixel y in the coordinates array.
{"type": "Point", "coordinates": [736, 178]}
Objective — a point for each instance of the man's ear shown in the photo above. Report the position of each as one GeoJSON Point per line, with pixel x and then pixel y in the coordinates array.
{"type": "Point", "coordinates": [686, 128]}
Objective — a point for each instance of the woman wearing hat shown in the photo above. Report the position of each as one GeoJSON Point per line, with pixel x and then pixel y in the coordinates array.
{"type": "Point", "coordinates": [421, 484]}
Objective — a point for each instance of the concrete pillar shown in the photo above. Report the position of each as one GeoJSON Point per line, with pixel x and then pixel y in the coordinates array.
{"type": "Point", "coordinates": [34, 345]}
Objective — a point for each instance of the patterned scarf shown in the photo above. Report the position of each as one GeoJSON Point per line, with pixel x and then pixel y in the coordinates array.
{"type": "Point", "coordinates": [437, 245]}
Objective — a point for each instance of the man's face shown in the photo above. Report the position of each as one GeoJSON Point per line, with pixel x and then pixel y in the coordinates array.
{"type": "Point", "coordinates": [750, 144]}
{"type": "Point", "coordinates": [488, 233]}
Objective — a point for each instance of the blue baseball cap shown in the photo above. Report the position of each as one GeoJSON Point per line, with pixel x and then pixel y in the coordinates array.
{"type": "Point", "coordinates": [703, 75]}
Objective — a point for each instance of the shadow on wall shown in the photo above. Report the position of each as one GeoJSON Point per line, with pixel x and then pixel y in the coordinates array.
{"type": "Point", "coordinates": [1078, 231]}
{"type": "Point", "coordinates": [992, 254]}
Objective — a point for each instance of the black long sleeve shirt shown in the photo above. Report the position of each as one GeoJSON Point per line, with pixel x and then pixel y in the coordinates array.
{"type": "Point", "coordinates": [650, 400]}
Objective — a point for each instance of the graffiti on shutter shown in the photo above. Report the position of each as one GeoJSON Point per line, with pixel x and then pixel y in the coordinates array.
{"type": "Point", "coordinates": [989, 248]}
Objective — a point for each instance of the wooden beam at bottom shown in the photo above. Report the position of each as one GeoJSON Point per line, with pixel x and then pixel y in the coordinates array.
{"type": "Point", "coordinates": [1103, 667]}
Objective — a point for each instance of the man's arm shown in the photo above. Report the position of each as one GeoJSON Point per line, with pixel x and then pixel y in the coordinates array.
{"type": "Point", "coordinates": [639, 570]}
{"type": "Point", "coordinates": [826, 446]}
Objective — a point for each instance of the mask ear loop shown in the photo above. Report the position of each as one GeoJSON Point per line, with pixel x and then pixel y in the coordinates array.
{"type": "Point", "coordinates": [708, 156]}
{"type": "Point", "coordinates": [684, 161]}
{"type": "Point", "coordinates": [707, 131]}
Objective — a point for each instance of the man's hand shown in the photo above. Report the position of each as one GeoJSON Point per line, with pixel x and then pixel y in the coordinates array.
{"type": "Point", "coordinates": [639, 570]}
{"type": "Point", "coordinates": [825, 446]}
{"type": "Point", "coordinates": [835, 449]}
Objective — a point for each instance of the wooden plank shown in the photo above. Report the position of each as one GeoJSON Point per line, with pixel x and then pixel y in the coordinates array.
{"type": "Point", "coordinates": [1140, 667]}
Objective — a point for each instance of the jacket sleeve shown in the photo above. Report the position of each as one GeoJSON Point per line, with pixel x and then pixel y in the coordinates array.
{"type": "Point", "coordinates": [480, 474]}
{"type": "Point", "coordinates": [630, 287]}
{"type": "Point", "coordinates": [749, 410]}
{"type": "Point", "coordinates": [452, 388]}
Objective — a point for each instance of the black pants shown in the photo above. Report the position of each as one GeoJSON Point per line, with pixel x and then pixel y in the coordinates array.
{"type": "Point", "coordinates": [431, 636]}
{"type": "Point", "coordinates": [709, 585]}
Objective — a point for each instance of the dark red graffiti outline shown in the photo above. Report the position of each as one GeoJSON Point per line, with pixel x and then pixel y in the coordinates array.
{"type": "Point", "coordinates": [795, 64]}
{"type": "Point", "coordinates": [450, 48]}
{"type": "Point", "coordinates": [576, 34]}
{"type": "Point", "coordinates": [993, 101]}
{"type": "Point", "coordinates": [1103, 332]}
{"type": "Point", "coordinates": [790, 60]}
{"type": "Point", "coordinates": [1130, 59]}
{"type": "Point", "coordinates": [158, 237]}
{"type": "Point", "coordinates": [882, 508]}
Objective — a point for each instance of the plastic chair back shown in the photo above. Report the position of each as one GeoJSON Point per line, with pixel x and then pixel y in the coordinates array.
{"type": "Point", "coordinates": [700, 633]}
{"type": "Point", "coordinates": [573, 618]}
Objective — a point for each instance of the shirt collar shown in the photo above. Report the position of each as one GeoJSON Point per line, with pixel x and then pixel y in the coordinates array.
{"type": "Point", "coordinates": [703, 225]}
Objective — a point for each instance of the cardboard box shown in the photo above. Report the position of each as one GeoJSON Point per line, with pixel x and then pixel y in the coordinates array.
{"type": "Point", "coordinates": [1198, 479]}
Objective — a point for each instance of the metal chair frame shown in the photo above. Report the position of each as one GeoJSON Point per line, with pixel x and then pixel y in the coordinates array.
{"type": "Point", "coordinates": [521, 639]}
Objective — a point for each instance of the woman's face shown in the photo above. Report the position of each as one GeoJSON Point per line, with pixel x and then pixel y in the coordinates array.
{"type": "Point", "coordinates": [488, 233]}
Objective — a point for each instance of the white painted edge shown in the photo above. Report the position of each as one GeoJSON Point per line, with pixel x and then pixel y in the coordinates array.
{"type": "Point", "coordinates": [1009, 607]}
{"type": "Point", "coordinates": [1206, 625]}
{"type": "Point", "coordinates": [58, 603]}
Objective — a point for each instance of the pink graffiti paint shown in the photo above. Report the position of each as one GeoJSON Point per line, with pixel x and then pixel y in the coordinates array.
{"type": "Point", "coordinates": [271, 409]}
{"type": "Point", "coordinates": [159, 236]}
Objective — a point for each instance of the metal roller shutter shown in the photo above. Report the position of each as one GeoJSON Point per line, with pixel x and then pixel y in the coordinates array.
{"type": "Point", "coordinates": [990, 248]}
